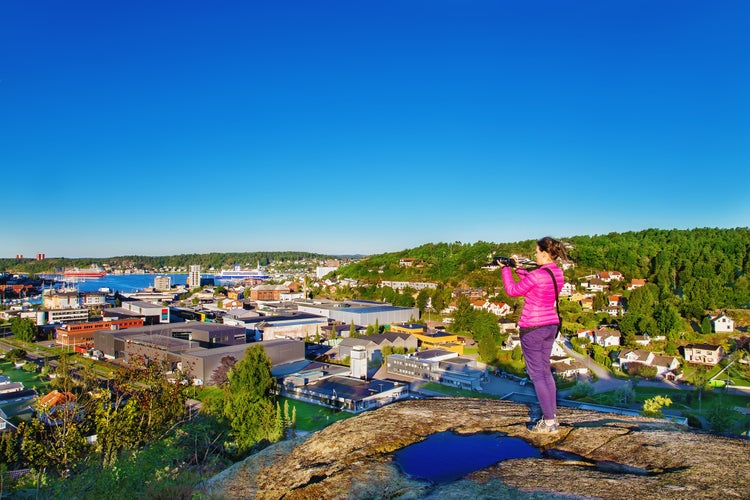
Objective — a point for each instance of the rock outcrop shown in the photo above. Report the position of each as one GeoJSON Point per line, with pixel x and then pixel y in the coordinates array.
{"type": "Point", "coordinates": [595, 455]}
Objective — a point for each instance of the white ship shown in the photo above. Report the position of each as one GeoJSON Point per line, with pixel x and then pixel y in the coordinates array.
{"type": "Point", "coordinates": [237, 275]}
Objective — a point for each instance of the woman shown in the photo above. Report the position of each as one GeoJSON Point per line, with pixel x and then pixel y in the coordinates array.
{"type": "Point", "coordinates": [539, 322]}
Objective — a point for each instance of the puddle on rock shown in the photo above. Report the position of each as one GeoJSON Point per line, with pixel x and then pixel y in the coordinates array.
{"type": "Point", "coordinates": [446, 456]}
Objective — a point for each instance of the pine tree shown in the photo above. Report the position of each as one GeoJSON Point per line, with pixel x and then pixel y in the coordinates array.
{"type": "Point", "coordinates": [278, 428]}
{"type": "Point", "coordinates": [287, 423]}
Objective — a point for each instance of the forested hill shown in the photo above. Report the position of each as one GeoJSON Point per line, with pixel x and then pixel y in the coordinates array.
{"type": "Point", "coordinates": [706, 267]}
{"type": "Point", "coordinates": [206, 261]}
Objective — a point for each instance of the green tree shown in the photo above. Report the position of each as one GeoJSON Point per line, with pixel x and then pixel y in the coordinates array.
{"type": "Point", "coordinates": [625, 394]}
{"type": "Point", "coordinates": [720, 417]}
{"type": "Point", "coordinates": [439, 298]}
{"type": "Point", "coordinates": [278, 426]}
{"type": "Point", "coordinates": [581, 390]}
{"type": "Point", "coordinates": [23, 329]}
{"type": "Point", "coordinates": [598, 303]}
{"type": "Point", "coordinates": [516, 354]}
{"type": "Point", "coordinates": [386, 351]}
{"type": "Point", "coordinates": [9, 448]}
{"type": "Point", "coordinates": [422, 298]}
{"type": "Point", "coordinates": [15, 355]}
{"type": "Point", "coordinates": [706, 325]}
{"type": "Point", "coordinates": [652, 407]}
{"type": "Point", "coordinates": [668, 320]}
{"type": "Point", "coordinates": [58, 446]}
{"type": "Point", "coordinates": [249, 406]}
{"type": "Point", "coordinates": [700, 381]}
{"type": "Point", "coordinates": [463, 316]}
{"type": "Point", "coordinates": [59, 442]}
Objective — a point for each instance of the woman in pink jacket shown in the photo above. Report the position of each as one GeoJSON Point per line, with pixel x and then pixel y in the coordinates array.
{"type": "Point", "coordinates": [539, 322]}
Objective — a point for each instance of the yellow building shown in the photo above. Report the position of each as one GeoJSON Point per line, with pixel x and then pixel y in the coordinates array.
{"type": "Point", "coordinates": [440, 340]}
{"type": "Point", "coordinates": [410, 328]}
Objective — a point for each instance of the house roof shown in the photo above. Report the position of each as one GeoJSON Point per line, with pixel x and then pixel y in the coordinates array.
{"type": "Point", "coordinates": [722, 315]}
{"type": "Point", "coordinates": [355, 341]}
{"type": "Point", "coordinates": [662, 361]}
{"type": "Point", "coordinates": [640, 354]}
{"type": "Point", "coordinates": [703, 347]}
{"type": "Point", "coordinates": [604, 333]}
{"type": "Point", "coordinates": [55, 398]}
{"type": "Point", "coordinates": [379, 338]}
{"type": "Point", "coordinates": [434, 353]}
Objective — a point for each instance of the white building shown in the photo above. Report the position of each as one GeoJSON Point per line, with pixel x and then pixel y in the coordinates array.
{"type": "Point", "coordinates": [165, 282]}
{"type": "Point", "coordinates": [194, 277]}
{"type": "Point", "coordinates": [321, 271]}
{"type": "Point", "coordinates": [722, 323]}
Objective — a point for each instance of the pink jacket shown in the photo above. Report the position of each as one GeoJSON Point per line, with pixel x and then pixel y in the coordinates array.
{"type": "Point", "coordinates": [539, 292]}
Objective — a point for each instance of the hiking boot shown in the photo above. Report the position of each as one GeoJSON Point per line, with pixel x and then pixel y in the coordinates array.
{"type": "Point", "coordinates": [541, 427]}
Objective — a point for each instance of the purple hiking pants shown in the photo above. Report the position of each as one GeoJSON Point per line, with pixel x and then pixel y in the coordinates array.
{"type": "Point", "coordinates": [537, 347]}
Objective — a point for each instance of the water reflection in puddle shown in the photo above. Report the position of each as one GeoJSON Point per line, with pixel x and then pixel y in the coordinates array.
{"type": "Point", "coordinates": [445, 456]}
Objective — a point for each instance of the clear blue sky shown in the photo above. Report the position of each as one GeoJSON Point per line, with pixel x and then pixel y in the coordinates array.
{"type": "Point", "coordinates": [168, 127]}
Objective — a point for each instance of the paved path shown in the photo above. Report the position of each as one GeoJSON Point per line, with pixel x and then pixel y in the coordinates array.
{"type": "Point", "coordinates": [605, 381]}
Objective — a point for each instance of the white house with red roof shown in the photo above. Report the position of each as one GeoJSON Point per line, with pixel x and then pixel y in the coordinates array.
{"type": "Point", "coordinates": [636, 283]}
{"type": "Point", "coordinates": [663, 364]}
{"type": "Point", "coordinates": [608, 276]}
{"type": "Point", "coordinates": [496, 308]}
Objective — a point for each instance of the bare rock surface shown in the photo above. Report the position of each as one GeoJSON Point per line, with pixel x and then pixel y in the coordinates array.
{"type": "Point", "coordinates": [595, 455]}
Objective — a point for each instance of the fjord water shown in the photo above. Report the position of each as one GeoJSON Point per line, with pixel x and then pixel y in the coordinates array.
{"type": "Point", "coordinates": [125, 283]}
{"type": "Point", "coordinates": [446, 456]}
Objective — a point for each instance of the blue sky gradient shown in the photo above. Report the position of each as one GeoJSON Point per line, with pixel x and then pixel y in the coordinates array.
{"type": "Point", "coordinates": [341, 127]}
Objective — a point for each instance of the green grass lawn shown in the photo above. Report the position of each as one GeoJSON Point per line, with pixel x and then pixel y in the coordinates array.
{"type": "Point", "coordinates": [312, 417]}
{"type": "Point", "coordinates": [30, 380]}
{"type": "Point", "coordinates": [738, 373]}
{"type": "Point", "coordinates": [17, 410]}
{"type": "Point", "coordinates": [685, 400]}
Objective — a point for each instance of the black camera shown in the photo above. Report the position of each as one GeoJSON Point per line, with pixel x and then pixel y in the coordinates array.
{"type": "Point", "coordinates": [506, 261]}
{"type": "Point", "coordinates": [510, 262]}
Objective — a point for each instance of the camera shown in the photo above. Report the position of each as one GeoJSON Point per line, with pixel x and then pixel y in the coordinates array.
{"type": "Point", "coordinates": [506, 261]}
{"type": "Point", "coordinates": [511, 262]}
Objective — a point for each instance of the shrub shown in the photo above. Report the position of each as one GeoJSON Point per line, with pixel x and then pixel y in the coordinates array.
{"type": "Point", "coordinates": [652, 407]}
{"type": "Point", "coordinates": [582, 390]}
{"type": "Point", "coordinates": [30, 367]}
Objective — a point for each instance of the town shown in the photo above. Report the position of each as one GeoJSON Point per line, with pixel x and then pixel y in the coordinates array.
{"type": "Point", "coordinates": [347, 353]}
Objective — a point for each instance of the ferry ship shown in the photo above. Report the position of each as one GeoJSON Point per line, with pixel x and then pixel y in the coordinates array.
{"type": "Point", "coordinates": [237, 274]}
{"type": "Point", "coordinates": [92, 272]}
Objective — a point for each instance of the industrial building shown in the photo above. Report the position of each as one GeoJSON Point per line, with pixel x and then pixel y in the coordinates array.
{"type": "Point", "coordinates": [151, 313]}
{"type": "Point", "coordinates": [113, 345]}
{"type": "Point", "coordinates": [197, 348]}
{"type": "Point", "coordinates": [374, 344]}
{"type": "Point", "coordinates": [360, 312]}
{"type": "Point", "coordinates": [339, 387]}
{"type": "Point", "coordinates": [438, 365]}
{"type": "Point", "coordinates": [295, 325]}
